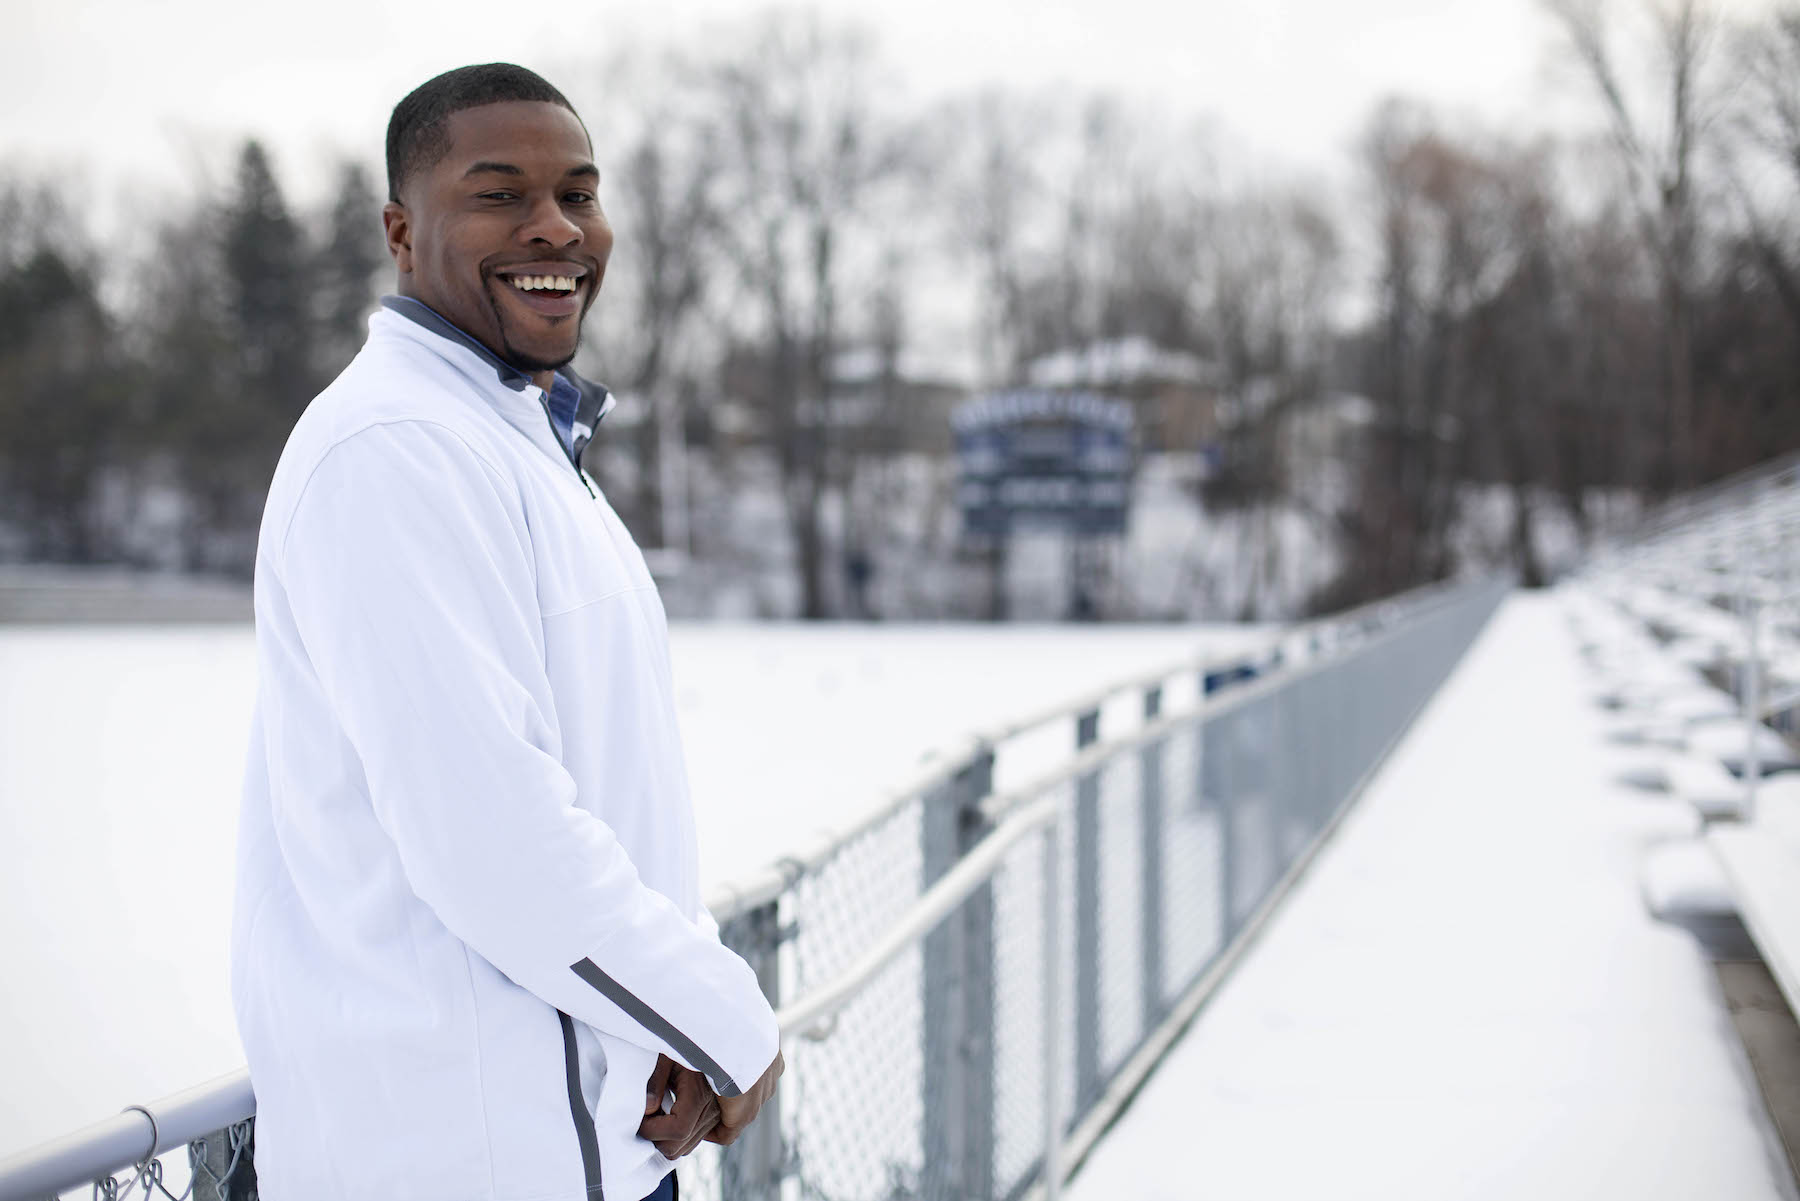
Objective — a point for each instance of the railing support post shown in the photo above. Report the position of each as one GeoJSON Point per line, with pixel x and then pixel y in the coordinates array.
{"type": "Point", "coordinates": [1051, 1012]}
{"type": "Point", "coordinates": [1151, 958]}
{"type": "Point", "coordinates": [216, 1176]}
{"type": "Point", "coordinates": [1087, 919]}
{"type": "Point", "coordinates": [957, 1088]}
{"type": "Point", "coordinates": [1213, 750]}
{"type": "Point", "coordinates": [756, 1161]}
{"type": "Point", "coordinates": [1753, 703]}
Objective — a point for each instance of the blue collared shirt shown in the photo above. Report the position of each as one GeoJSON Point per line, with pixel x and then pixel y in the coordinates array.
{"type": "Point", "coordinates": [564, 398]}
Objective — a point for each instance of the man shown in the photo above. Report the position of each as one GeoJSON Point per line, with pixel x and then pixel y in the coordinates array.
{"type": "Point", "coordinates": [469, 954]}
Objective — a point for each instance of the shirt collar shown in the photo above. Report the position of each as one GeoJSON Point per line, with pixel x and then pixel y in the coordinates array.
{"type": "Point", "coordinates": [595, 403]}
{"type": "Point", "coordinates": [423, 314]}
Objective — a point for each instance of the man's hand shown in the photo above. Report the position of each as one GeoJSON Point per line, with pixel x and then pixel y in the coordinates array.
{"type": "Point", "coordinates": [737, 1112]}
{"type": "Point", "coordinates": [693, 1116]}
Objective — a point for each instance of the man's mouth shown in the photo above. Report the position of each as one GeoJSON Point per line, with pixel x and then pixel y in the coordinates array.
{"type": "Point", "coordinates": [552, 289]}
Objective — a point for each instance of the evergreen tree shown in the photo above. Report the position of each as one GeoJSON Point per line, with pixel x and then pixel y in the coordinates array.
{"type": "Point", "coordinates": [268, 287]}
{"type": "Point", "coordinates": [59, 383]}
{"type": "Point", "coordinates": [216, 437]}
{"type": "Point", "coordinates": [350, 255]}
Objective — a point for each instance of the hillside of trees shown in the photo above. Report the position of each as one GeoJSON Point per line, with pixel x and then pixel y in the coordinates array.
{"type": "Point", "coordinates": [1581, 324]}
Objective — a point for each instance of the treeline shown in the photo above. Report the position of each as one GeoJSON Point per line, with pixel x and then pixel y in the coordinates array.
{"type": "Point", "coordinates": [142, 411]}
{"type": "Point", "coordinates": [1571, 324]}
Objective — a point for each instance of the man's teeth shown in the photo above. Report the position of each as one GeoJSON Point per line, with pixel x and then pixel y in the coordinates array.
{"type": "Point", "coordinates": [544, 283]}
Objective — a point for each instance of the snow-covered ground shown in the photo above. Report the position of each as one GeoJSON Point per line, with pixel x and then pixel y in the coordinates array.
{"type": "Point", "coordinates": [1464, 997]}
{"type": "Point", "coordinates": [120, 754]}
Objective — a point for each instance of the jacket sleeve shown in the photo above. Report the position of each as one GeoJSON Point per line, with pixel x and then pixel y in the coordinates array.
{"type": "Point", "coordinates": [407, 566]}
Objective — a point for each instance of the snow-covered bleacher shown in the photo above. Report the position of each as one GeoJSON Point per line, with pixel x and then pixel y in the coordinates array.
{"type": "Point", "coordinates": [1694, 632]}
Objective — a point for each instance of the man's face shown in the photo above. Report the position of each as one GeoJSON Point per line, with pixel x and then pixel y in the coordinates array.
{"type": "Point", "coordinates": [504, 235]}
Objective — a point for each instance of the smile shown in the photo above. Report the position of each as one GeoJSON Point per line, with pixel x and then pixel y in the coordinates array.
{"type": "Point", "coordinates": [560, 284]}
{"type": "Point", "coordinates": [551, 289]}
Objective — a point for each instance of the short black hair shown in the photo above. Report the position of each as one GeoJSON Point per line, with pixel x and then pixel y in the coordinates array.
{"type": "Point", "coordinates": [416, 137]}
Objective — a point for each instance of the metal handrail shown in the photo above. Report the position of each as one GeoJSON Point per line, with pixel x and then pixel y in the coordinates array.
{"type": "Point", "coordinates": [1408, 604]}
{"type": "Point", "coordinates": [1026, 809]}
{"type": "Point", "coordinates": [135, 1136]}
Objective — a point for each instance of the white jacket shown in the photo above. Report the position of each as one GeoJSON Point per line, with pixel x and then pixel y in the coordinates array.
{"type": "Point", "coordinates": [467, 912]}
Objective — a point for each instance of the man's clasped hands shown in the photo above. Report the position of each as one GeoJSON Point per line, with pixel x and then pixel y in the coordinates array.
{"type": "Point", "coordinates": [696, 1113]}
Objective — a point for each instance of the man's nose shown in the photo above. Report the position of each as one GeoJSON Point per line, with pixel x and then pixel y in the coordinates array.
{"type": "Point", "coordinates": [548, 223]}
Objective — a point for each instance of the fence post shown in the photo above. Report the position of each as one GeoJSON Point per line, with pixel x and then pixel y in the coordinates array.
{"type": "Point", "coordinates": [756, 1161]}
{"type": "Point", "coordinates": [216, 1177]}
{"type": "Point", "coordinates": [1152, 894]}
{"type": "Point", "coordinates": [1215, 783]}
{"type": "Point", "coordinates": [957, 1086]}
{"type": "Point", "coordinates": [1050, 1011]}
{"type": "Point", "coordinates": [1087, 920]}
{"type": "Point", "coordinates": [1753, 703]}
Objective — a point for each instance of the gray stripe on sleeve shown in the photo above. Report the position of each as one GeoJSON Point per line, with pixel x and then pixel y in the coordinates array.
{"type": "Point", "coordinates": [656, 1024]}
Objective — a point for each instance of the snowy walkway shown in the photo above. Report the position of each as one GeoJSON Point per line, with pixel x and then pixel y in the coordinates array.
{"type": "Point", "coordinates": [1464, 997]}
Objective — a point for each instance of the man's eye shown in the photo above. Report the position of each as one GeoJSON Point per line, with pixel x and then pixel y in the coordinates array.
{"type": "Point", "coordinates": [496, 196]}
{"type": "Point", "coordinates": [579, 197]}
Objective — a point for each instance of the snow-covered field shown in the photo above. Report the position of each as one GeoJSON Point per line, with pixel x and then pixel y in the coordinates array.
{"type": "Point", "coordinates": [120, 754]}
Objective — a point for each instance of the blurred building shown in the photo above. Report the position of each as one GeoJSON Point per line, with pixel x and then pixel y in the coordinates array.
{"type": "Point", "coordinates": [1175, 395]}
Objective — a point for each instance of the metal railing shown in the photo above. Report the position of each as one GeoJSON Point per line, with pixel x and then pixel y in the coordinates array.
{"type": "Point", "coordinates": [970, 983]}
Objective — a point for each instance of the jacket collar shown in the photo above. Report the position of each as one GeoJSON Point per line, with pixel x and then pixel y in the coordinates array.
{"type": "Point", "coordinates": [596, 402]}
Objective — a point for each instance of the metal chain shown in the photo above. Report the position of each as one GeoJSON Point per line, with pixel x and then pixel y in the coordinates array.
{"type": "Point", "coordinates": [148, 1174]}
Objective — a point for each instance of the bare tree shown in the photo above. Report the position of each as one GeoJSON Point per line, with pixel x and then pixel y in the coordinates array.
{"type": "Point", "coordinates": [804, 151]}
{"type": "Point", "coordinates": [1264, 278]}
{"type": "Point", "coordinates": [660, 192]}
{"type": "Point", "coordinates": [1766, 57]}
{"type": "Point", "coordinates": [1443, 254]}
{"type": "Point", "coordinates": [1101, 273]}
{"type": "Point", "coordinates": [1659, 156]}
{"type": "Point", "coordinates": [1606, 436]}
{"type": "Point", "coordinates": [996, 186]}
{"type": "Point", "coordinates": [1151, 249]}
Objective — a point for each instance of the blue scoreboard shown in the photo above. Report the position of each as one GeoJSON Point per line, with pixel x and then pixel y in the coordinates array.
{"type": "Point", "coordinates": [1043, 459]}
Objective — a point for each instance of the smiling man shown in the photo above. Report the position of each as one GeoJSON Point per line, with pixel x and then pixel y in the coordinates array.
{"type": "Point", "coordinates": [469, 955]}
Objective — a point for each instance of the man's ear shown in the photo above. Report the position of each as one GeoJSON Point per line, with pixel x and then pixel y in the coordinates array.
{"type": "Point", "coordinates": [399, 235]}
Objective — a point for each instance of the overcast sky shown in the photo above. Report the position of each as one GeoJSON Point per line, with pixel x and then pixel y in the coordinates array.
{"type": "Point", "coordinates": [136, 95]}
{"type": "Point", "coordinates": [137, 105]}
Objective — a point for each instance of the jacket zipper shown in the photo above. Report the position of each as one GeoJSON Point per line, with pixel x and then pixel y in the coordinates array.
{"type": "Point", "coordinates": [555, 436]}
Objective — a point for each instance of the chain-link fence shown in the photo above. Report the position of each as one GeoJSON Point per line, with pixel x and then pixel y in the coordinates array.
{"type": "Point", "coordinates": [1001, 968]}
{"type": "Point", "coordinates": [940, 1075]}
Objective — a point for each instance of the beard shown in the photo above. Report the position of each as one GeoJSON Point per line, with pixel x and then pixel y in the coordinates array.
{"type": "Point", "coordinates": [525, 360]}
{"type": "Point", "coordinates": [530, 363]}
